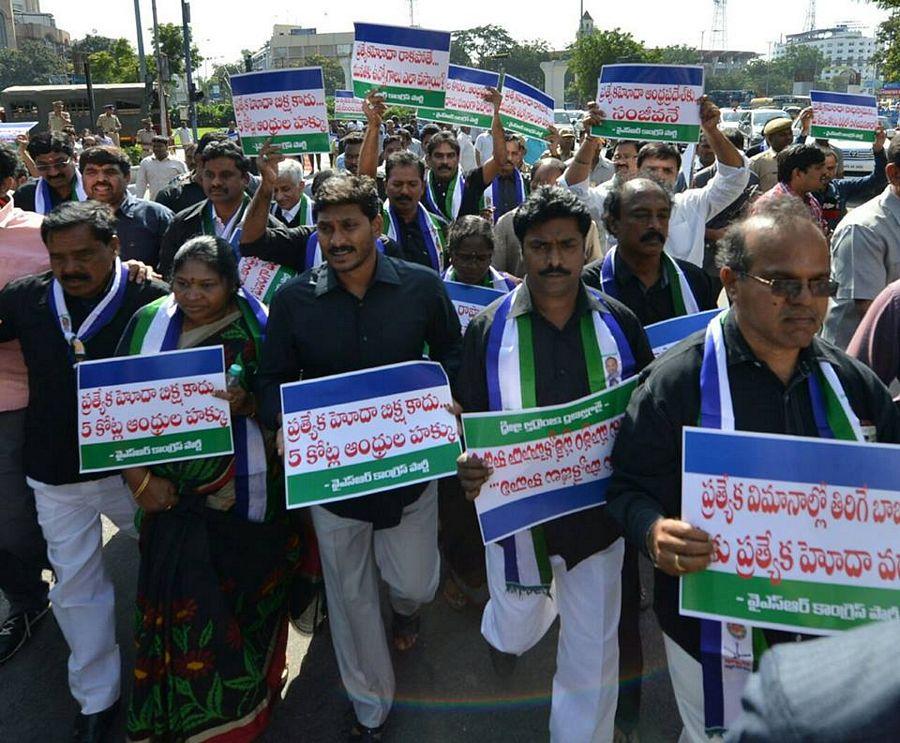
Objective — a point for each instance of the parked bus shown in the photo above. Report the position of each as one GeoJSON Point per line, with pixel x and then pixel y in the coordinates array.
{"type": "Point", "coordinates": [35, 102]}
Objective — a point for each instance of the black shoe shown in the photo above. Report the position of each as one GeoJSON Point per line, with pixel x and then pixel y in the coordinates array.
{"type": "Point", "coordinates": [94, 728]}
{"type": "Point", "coordinates": [17, 630]}
{"type": "Point", "coordinates": [504, 663]}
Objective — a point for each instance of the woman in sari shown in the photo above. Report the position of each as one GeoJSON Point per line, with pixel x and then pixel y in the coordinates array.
{"type": "Point", "coordinates": [217, 550]}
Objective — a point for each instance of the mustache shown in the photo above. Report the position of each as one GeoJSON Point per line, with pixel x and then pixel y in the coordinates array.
{"type": "Point", "coordinates": [401, 199]}
{"type": "Point", "coordinates": [653, 235]}
{"type": "Point", "coordinates": [74, 277]}
{"type": "Point", "coordinates": [555, 271]}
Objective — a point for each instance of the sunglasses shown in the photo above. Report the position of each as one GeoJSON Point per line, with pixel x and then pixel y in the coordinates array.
{"type": "Point", "coordinates": [56, 165]}
{"type": "Point", "coordinates": [793, 288]}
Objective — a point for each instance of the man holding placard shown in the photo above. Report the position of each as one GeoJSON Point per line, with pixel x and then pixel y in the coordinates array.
{"type": "Point", "coordinates": [76, 312]}
{"type": "Point", "coordinates": [758, 367]}
{"type": "Point", "coordinates": [405, 220]}
{"type": "Point", "coordinates": [553, 341]}
{"type": "Point", "coordinates": [360, 310]}
{"type": "Point", "coordinates": [662, 161]}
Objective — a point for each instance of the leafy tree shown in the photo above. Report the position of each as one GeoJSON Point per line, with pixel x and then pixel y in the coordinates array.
{"type": "Point", "coordinates": [474, 46]}
{"type": "Point", "coordinates": [591, 52]}
{"type": "Point", "coordinates": [31, 64]}
{"type": "Point", "coordinates": [522, 61]}
{"type": "Point", "coordinates": [332, 71]}
{"type": "Point", "coordinates": [677, 54]}
{"type": "Point", "coordinates": [887, 55]}
{"type": "Point", "coordinates": [171, 43]}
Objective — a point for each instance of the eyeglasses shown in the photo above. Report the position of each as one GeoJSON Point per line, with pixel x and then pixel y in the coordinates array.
{"type": "Point", "coordinates": [623, 158]}
{"type": "Point", "coordinates": [458, 258]}
{"type": "Point", "coordinates": [56, 165]}
{"type": "Point", "coordinates": [793, 288]}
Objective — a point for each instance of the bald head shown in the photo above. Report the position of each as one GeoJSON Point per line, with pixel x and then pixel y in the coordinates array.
{"type": "Point", "coordinates": [547, 172]}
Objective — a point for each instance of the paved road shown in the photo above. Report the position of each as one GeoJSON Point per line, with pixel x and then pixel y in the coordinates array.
{"type": "Point", "coordinates": [446, 688]}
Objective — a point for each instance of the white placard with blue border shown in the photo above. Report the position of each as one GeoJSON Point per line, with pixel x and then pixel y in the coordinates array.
{"type": "Point", "coordinates": [663, 335]}
{"type": "Point", "coordinates": [469, 300]}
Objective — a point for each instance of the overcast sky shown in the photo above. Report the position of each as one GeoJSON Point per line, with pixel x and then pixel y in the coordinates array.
{"type": "Point", "coordinates": [221, 33]}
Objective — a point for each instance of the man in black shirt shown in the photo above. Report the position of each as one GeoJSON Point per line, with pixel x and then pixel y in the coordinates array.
{"type": "Point", "coordinates": [77, 311]}
{"type": "Point", "coordinates": [359, 310]}
{"type": "Point", "coordinates": [637, 271]}
{"type": "Point", "coordinates": [655, 287]}
{"type": "Point", "coordinates": [775, 268]}
{"type": "Point", "coordinates": [417, 231]}
{"type": "Point", "coordinates": [584, 548]}
{"type": "Point", "coordinates": [450, 193]}
{"type": "Point", "coordinates": [54, 159]}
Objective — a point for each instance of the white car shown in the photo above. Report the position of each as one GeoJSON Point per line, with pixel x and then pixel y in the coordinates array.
{"type": "Point", "coordinates": [753, 124]}
{"type": "Point", "coordinates": [858, 156]}
{"type": "Point", "coordinates": [731, 120]}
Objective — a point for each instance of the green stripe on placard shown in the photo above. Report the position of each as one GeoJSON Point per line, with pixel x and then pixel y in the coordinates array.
{"type": "Point", "coordinates": [727, 594]}
{"type": "Point", "coordinates": [371, 476]}
{"type": "Point", "coordinates": [488, 431]}
{"type": "Point", "coordinates": [349, 117]}
{"type": "Point", "coordinates": [291, 144]}
{"type": "Point", "coordinates": [836, 132]}
{"type": "Point", "coordinates": [460, 118]}
{"type": "Point", "coordinates": [523, 127]}
{"type": "Point", "coordinates": [648, 131]}
{"type": "Point", "coordinates": [170, 447]}
{"type": "Point", "coordinates": [401, 96]}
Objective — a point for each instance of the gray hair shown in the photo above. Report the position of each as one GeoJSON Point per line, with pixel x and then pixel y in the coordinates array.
{"type": "Point", "coordinates": [771, 215]}
{"type": "Point", "coordinates": [292, 169]}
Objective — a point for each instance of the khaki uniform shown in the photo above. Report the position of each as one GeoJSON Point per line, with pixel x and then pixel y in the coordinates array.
{"type": "Point", "coordinates": [59, 121]}
{"type": "Point", "coordinates": [110, 125]}
{"type": "Point", "coordinates": [766, 168]}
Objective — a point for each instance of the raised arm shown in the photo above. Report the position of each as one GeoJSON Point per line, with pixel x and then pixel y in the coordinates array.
{"type": "Point", "coordinates": [498, 159]}
{"type": "Point", "coordinates": [726, 153]}
{"type": "Point", "coordinates": [373, 108]}
{"type": "Point", "coordinates": [258, 211]}
{"type": "Point", "coordinates": [579, 169]}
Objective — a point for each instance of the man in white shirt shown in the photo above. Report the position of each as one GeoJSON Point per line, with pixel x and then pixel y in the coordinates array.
{"type": "Point", "coordinates": [466, 149]}
{"type": "Point", "coordinates": [484, 147]}
{"type": "Point", "coordinates": [691, 209]}
{"type": "Point", "coordinates": [184, 134]}
{"type": "Point", "coordinates": [158, 170]}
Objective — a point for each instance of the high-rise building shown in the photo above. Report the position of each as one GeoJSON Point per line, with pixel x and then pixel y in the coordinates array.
{"type": "Point", "coordinates": [844, 47]}
{"type": "Point", "coordinates": [22, 20]}
{"type": "Point", "coordinates": [290, 45]}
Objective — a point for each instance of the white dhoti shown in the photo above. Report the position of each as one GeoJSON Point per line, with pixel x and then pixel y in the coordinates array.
{"type": "Point", "coordinates": [407, 558]}
{"type": "Point", "coordinates": [687, 683]}
{"type": "Point", "coordinates": [587, 600]}
{"type": "Point", "coordinates": [83, 600]}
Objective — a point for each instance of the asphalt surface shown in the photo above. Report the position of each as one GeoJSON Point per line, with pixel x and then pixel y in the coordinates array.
{"type": "Point", "coordinates": [446, 687]}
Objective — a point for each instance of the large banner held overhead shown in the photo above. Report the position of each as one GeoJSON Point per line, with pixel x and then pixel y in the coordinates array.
{"type": "Point", "coordinates": [287, 106]}
{"type": "Point", "coordinates": [469, 300]}
{"type": "Point", "coordinates": [650, 103]}
{"type": "Point", "coordinates": [364, 432]}
{"type": "Point", "coordinates": [465, 104]}
{"type": "Point", "coordinates": [546, 462]}
{"type": "Point", "coordinates": [140, 410]}
{"type": "Point", "coordinates": [525, 109]}
{"type": "Point", "coordinates": [663, 335]}
{"type": "Point", "coordinates": [806, 531]}
{"type": "Point", "coordinates": [408, 65]}
{"type": "Point", "coordinates": [843, 116]}
{"type": "Point", "coordinates": [347, 107]}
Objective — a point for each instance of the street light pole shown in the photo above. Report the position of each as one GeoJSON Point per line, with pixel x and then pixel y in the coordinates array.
{"type": "Point", "coordinates": [188, 68]}
{"type": "Point", "coordinates": [163, 114]}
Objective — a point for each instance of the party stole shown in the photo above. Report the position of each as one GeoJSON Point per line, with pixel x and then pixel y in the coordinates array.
{"type": "Point", "coordinates": [510, 367]}
{"type": "Point", "coordinates": [158, 328]}
{"type": "Point", "coordinates": [727, 649]}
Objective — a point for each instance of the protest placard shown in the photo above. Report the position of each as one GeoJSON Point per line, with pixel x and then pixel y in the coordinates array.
{"type": "Point", "coordinates": [363, 432]}
{"type": "Point", "coordinates": [347, 107]}
{"type": "Point", "coordinates": [408, 65]}
{"type": "Point", "coordinates": [140, 410]}
{"type": "Point", "coordinates": [287, 106]}
{"type": "Point", "coordinates": [649, 102]}
{"type": "Point", "coordinates": [263, 278]}
{"type": "Point", "coordinates": [843, 116]}
{"type": "Point", "coordinates": [806, 531]}
{"type": "Point", "coordinates": [525, 109]}
{"type": "Point", "coordinates": [10, 130]}
{"type": "Point", "coordinates": [469, 300]}
{"type": "Point", "coordinates": [663, 335]}
{"type": "Point", "coordinates": [465, 104]}
{"type": "Point", "coordinates": [547, 462]}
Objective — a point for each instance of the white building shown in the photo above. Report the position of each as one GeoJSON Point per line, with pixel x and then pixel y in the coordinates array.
{"type": "Point", "coordinates": [845, 50]}
{"type": "Point", "coordinates": [290, 45]}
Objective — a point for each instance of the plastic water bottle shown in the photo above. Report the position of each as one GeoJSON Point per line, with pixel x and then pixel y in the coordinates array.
{"type": "Point", "coordinates": [233, 377]}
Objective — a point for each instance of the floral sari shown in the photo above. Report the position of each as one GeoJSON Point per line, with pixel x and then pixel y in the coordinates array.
{"type": "Point", "coordinates": [211, 620]}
